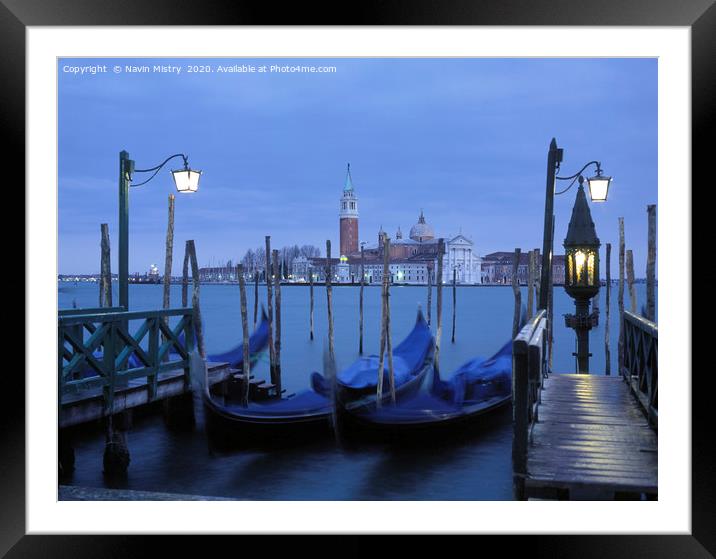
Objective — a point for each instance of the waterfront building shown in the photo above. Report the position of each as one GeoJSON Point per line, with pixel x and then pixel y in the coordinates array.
{"type": "Point", "coordinates": [412, 260]}
{"type": "Point", "coordinates": [497, 268]}
{"type": "Point", "coordinates": [217, 274]}
{"type": "Point", "coordinates": [462, 259]}
{"type": "Point", "coordinates": [302, 267]}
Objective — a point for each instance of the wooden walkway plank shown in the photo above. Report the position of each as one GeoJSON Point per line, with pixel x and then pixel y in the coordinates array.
{"type": "Point", "coordinates": [87, 405]}
{"type": "Point", "coordinates": [591, 433]}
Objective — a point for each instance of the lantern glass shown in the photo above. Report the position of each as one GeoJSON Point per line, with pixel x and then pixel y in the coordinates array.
{"type": "Point", "coordinates": [582, 267]}
{"type": "Point", "coordinates": [599, 188]}
{"type": "Point", "coordinates": [186, 180]}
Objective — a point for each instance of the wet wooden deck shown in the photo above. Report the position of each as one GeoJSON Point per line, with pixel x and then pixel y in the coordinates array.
{"type": "Point", "coordinates": [591, 440]}
{"type": "Point", "coordinates": [87, 405]}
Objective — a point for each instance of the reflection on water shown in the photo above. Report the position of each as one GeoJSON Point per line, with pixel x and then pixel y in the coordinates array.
{"type": "Point", "coordinates": [474, 466]}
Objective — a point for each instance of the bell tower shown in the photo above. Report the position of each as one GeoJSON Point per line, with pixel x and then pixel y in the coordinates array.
{"type": "Point", "coordinates": [348, 216]}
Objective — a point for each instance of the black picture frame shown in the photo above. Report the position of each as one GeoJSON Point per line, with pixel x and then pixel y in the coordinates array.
{"type": "Point", "coordinates": [699, 15]}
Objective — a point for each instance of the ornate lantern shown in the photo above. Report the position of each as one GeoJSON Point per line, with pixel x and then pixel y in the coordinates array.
{"type": "Point", "coordinates": [582, 274]}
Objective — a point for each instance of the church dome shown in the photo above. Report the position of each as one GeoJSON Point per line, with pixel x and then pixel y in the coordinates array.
{"type": "Point", "coordinates": [421, 231]}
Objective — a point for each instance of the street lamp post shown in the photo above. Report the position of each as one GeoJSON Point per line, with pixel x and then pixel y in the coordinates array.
{"type": "Point", "coordinates": [186, 181]}
{"type": "Point", "coordinates": [598, 191]}
{"type": "Point", "coordinates": [581, 280]}
{"type": "Point", "coordinates": [554, 158]}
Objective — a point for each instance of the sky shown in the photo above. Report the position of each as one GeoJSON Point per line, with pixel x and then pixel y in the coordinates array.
{"type": "Point", "coordinates": [463, 139]}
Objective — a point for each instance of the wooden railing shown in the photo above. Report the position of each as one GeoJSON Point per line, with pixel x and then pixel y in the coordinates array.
{"type": "Point", "coordinates": [96, 349]}
{"type": "Point", "coordinates": [640, 367]}
{"type": "Point", "coordinates": [529, 367]}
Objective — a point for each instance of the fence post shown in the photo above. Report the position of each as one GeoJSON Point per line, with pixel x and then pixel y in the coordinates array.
{"type": "Point", "coordinates": [191, 249]}
{"type": "Point", "coordinates": [607, 352]}
{"type": "Point", "coordinates": [519, 417]}
{"type": "Point", "coordinates": [620, 298]}
{"type": "Point", "coordinates": [153, 376]}
{"type": "Point", "coordinates": [651, 265]}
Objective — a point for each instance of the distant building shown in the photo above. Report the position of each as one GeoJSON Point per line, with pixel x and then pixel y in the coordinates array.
{"type": "Point", "coordinates": [413, 260]}
{"type": "Point", "coordinates": [217, 274]}
{"type": "Point", "coordinates": [302, 267]}
{"type": "Point", "coordinates": [348, 216]}
{"type": "Point", "coordinates": [497, 268]}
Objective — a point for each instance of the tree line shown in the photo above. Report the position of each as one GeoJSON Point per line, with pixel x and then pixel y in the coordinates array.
{"type": "Point", "coordinates": [254, 260]}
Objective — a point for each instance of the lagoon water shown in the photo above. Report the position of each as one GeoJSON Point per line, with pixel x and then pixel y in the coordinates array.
{"type": "Point", "coordinates": [475, 467]}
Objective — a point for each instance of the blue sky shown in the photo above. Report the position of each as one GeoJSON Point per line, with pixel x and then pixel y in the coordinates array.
{"type": "Point", "coordinates": [464, 139]}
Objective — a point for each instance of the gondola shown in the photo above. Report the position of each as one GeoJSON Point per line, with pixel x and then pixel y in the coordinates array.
{"type": "Point", "coordinates": [310, 412]}
{"type": "Point", "coordinates": [410, 364]}
{"type": "Point", "coordinates": [477, 387]}
{"type": "Point", "coordinates": [258, 341]}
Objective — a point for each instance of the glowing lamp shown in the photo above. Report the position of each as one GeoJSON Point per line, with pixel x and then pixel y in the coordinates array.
{"type": "Point", "coordinates": [186, 180]}
{"type": "Point", "coordinates": [599, 187]}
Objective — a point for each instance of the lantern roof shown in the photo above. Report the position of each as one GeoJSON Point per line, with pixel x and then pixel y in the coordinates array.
{"type": "Point", "coordinates": [581, 229]}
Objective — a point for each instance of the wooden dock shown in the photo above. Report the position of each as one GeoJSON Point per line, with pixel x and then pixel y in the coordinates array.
{"type": "Point", "coordinates": [585, 436]}
{"type": "Point", "coordinates": [591, 439]}
{"type": "Point", "coordinates": [89, 404]}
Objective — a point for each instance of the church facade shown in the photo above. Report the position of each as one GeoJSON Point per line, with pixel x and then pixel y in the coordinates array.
{"type": "Point", "coordinates": [412, 260]}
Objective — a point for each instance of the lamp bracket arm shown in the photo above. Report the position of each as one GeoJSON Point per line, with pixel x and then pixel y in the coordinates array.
{"type": "Point", "coordinates": [599, 168]}
{"type": "Point", "coordinates": [576, 176]}
{"type": "Point", "coordinates": [159, 167]}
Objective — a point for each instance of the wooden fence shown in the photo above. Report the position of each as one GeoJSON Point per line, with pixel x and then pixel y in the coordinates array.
{"type": "Point", "coordinates": [529, 367]}
{"type": "Point", "coordinates": [640, 366]}
{"type": "Point", "coordinates": [97, 350]}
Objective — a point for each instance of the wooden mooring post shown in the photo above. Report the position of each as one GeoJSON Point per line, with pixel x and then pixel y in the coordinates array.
{"type": "Point", "coordinates": [116, 458]}
{"type": "Point", "coordinates": [360, 303]}
{"type": "Point", "coordinates": [430, 293]}
{"type": "Point", "coordinates": [530, 282]}
{"type": "Point", "coordinates": [607, 352]}
{"type": "Point", "coordinates": [651, 264]}
{"type": "Point", "coordinates": [439, 282]}
{"type": "Point", "coordinates": [310, 311]}
{"type": "Point", "coordinates": [516, 292]}
{"type": "Point", "coordinates": [277, 333]}
{"type": "Point", "coordinates": [269, 296]}
{"type": "Point", "coordinates": [630, 280]}
{"type": "Point", "coordinates": [329, 299]}
{"type": "Point", "coordinates": [168, 254]}
{"type": "Point", "coordinates": [246, 365]}
{"type": "Point", "coordinates": [388, 336]}
{"type": "Point", "coordinates": [179, 410]}
{"type": "Point", "coordinates": [454, 301]}
{"type": "Point", "coordinates": [168, 261]}
{"type": "Point", "coordinates": [105, 284]}
{"type": "Point", "coordinates": [256, 296]}
{"type": "Point", "coordinates": [385, 328]}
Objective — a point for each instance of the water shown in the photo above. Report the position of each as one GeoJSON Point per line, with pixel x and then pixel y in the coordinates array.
{"type": "Point", "coordinates": [476, 467]}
